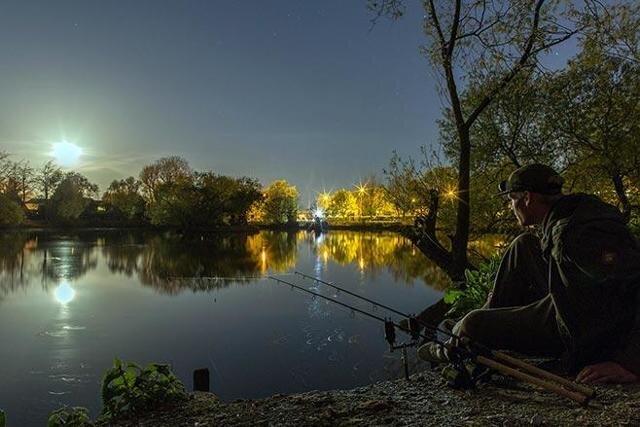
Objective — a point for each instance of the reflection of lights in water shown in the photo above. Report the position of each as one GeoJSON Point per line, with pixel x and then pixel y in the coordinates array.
{"type": "Point", "coordinates": [263, 258]}
{"type": "Point", "coordinates": [361, 263]}
{"type": "Point", "coordinates": [64, 293]}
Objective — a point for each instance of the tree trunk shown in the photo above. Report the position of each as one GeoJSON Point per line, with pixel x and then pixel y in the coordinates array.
{"type": "Point", "coordinates": [618, 184]}
{"type": "Point", "coordinates": [432, 215]}
{"type": "Point", "coordinates": [461, 238]}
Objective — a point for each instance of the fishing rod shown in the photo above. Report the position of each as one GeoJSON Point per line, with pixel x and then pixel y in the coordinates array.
{"type": "Point", "coordinates": [410, 317]}
{"type": "Point", "coordinates": [465, 349]}
{"type": "Point", "coordinates": [389, 325]}
{"type": "Point", "coordinates": [495, 354]}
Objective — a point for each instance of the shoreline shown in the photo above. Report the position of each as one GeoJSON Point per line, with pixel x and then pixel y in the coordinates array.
{"type": "Point", "coordinates": [424, 400]}
{"type": "Point", "coordinates": [251, 228]}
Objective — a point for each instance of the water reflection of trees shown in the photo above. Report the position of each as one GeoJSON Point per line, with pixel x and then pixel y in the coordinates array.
{"type": "Point", "coordinates": [14, 268]}
{"type": "Point", "coordinates": [68, 258]}
{"type": "Point", "coordinates": [277, 251]}
{"type": "Point", "coordinates": [171, 262]}
{"type": "Point", "coordinates": [28, 257]}
{"type": "Point", "coordinates": [374, 253]}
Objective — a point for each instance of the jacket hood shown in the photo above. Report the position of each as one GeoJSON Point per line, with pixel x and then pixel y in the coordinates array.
{"type": "Point", "coordinates": [575, 209]}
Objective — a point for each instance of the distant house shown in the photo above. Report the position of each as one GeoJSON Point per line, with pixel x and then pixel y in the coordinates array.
{"type": "Point", "coordinates": [33, 205]}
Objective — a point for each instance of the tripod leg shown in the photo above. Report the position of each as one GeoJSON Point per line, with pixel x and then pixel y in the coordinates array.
{"type": "Point", "coordinates": [405, 362]}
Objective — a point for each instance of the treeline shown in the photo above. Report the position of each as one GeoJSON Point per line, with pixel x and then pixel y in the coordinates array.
{"type": "Point", "coordinates": [583, 119]}
{"type": "Point", "coordinates": [167, 192]}
{"type": "Point", "coordinates": [510, 99]}
{"type": "Point", "coordinates": [366, 200]}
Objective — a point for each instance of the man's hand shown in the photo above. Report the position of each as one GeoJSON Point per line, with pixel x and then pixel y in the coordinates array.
{"type": "Point", "coordinates": [606, 372]}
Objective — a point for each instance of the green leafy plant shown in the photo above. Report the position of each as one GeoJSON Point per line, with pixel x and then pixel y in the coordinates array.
{"type": "Point", "coordinates": [69, 417]}
{"type": "Point", "coordinates": [127, 388]}
{"type": "Point", "coordinates": [3, 418]}
{"type": "Point", "coordinates": [478, 284]}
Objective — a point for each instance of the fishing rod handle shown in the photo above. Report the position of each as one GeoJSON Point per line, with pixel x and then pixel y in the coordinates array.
{"type": "Point", "coordinates": [555, 388]}
{"type": "Point", "coordinates": [587, 391]}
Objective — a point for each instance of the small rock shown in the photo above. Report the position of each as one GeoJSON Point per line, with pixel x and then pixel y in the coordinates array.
{"type": "Point", "coordinates": [537, 420]}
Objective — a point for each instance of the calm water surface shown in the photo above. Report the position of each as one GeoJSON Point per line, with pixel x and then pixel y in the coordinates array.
{"type": "Point", "coordinates": [72, 301]}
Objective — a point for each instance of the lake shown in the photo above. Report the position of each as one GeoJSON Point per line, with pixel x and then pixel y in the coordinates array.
{"type": "Point", "coordinates": [71, 301]}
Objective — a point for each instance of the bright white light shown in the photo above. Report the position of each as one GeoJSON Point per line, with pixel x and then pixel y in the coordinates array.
{"type": "Point", "coordinates": [318, 213]}
{"type": "Point", "coordinates": [64, 293]}
{"type": "Point", "coordinates": [66, 153]}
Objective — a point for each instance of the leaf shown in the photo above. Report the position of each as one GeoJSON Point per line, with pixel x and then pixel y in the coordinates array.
{"type": "Point", "coordinates": [452, 295]}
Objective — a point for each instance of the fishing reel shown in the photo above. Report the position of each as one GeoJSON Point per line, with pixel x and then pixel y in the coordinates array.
{"type": "Point", "coordinates": [463, 372]}
{"type": "Point", "coordinates": [390, 333]}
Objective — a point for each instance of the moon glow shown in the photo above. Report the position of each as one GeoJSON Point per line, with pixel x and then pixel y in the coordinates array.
{"type": "Point", "coordinates": [66, 153]}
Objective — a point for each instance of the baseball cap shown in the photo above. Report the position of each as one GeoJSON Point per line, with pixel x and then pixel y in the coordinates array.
{"type": "Point", "coordinates": [536, 178]}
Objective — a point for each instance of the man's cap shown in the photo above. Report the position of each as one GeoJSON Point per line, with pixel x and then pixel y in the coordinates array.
{"type": "Point", "coordinates": [536, 178]}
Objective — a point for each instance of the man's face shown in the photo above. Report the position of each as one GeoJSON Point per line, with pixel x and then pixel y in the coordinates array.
{"type": "Point", "coordinates": [521, 209]}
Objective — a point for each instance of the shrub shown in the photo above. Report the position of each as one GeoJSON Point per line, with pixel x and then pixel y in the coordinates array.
{"type": "Point", "coordinates": [11, 213]}
{"type": "Point", "coordinates": [128, 388]}
{"type": "Point", "coordinates": [478, 284]}
{"type": "Point", "coordinates": [3, 418]}
{"type": "Point", "coordinates": [73, 417]}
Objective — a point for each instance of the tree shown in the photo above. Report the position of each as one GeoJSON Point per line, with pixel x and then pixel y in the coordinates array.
{"type": "Point", "coordinates": [174, 205]}
{"type": "Point", "coordinates": [11, 213]}
{"type": "Point", "coordinates": [617, 30]}
{"type": "Point", "coordinates": [47, 178]}
{"type": "Point", "coordinates": [16, 178]}
{"type": "Point", "coordinates": [487, 43]}
{"type": "Point", "coordinates": [167, 170]}
{"type": "Point", "coordinates": [124, 195]}
{"type": "Point", "coordinates": [87, 188]}
{"type": "Point", "coordinates": [25, 178]}
{"type": "Point", "coordinates": [280, 203]}
{"type": "Point", "coordinates": [342, 204]}
{"type": "Point", "coordinates": [247, 192]}
{"type": "Point", "coordinates": [68, 201]}
{"type": "Point", "coordinates": [597, 116]}
{"type": "Point", "coordinates": [224, 199]}
{"type": "Point", "coordinates": [514, 130]}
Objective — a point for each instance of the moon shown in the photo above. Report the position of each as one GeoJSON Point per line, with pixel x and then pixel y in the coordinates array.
{"type": "Point", "coordinates": [66, 153]}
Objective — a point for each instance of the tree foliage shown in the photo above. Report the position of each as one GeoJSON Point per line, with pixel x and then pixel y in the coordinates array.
{"type": "Point", "coordinates": [68, 201]}
{"type": "Point", "coordinates": [48, 176]}
{"type": "Point", "coordinates": [280, 204]}
{"type": "Point", "coordinates": [124, 195]}
{"type": "Point", "coordinates": [596, 113]}
{"type": "Point", "coordinates": [11, 213]}
{"type": "Point", "coordinates": [164, 171]}
{"type": "Point", "coordinates": [485, 43]}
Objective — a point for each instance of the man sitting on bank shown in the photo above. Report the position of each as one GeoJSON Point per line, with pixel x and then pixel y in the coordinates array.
{"type": "Point", "coordinates": [572, 294]}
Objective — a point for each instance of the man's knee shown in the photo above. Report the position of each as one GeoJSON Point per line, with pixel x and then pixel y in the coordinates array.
{"type": "Point", "coordinates": [472, 325]}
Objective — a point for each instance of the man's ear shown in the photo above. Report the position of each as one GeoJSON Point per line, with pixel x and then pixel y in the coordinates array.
{"type": "Point", "coordinates": [527, 198]}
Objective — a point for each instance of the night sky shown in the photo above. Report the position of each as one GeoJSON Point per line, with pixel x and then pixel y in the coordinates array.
{"type": "Point", "coordinates": [301, 90]}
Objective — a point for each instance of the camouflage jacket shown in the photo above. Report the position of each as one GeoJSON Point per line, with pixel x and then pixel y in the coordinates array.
{"type": "Point", "coordinates": [594, 278]}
